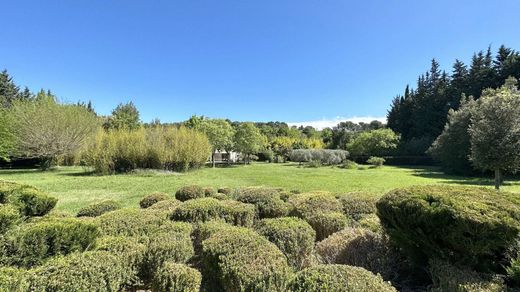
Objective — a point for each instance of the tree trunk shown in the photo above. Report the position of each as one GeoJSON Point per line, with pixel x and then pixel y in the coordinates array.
{"type": "Point", "coordinates": [497, 179]}
{"type": "Point", "coordinates": [213, 158]}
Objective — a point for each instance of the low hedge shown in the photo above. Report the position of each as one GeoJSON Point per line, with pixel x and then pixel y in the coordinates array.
{"type": "Point", "coordinates": [266, 200]}
{"type": "Point", "coordinates": [33, 242]}
{"type": "Point", "coordinates": [176, 277]}
{"type": "Point", "coordinates": [467, 226]}
{"type": "Point", "coordinates": [356, 205]}
{"type": "Point", "coordinates": [240, 260]}
{"type": "Point", "coordinates": [190, 192]}
{"type": "Point", "coordinates": [327, 223]}
{"type": "Point", "coordinates": [153, 198]}
{"type": "Point", "coordinates": [293, 236]}
{"type": "Point", "coordinates": [9, 215]}
{"type": "Point", "coordinates": [14, 280]}
{"type": "Point", "coordinates": [310, 203]}
{"type": "Point", "coordinates": [29, 200]}
{"type": "Point", "coordinates": [206, 209]}
{"type": "Point", "coordinates": [87, 271]}
{"type": "Point", "coordinates": [338, 278]}
{"type": "Point", "coordinates": [98, 209]}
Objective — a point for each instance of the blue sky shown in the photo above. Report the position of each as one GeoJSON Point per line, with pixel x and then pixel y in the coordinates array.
{"type": "Point", "coordinates": [293, 61]}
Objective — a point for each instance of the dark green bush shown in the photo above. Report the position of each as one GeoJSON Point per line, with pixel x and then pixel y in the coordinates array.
{"type": "Point", "coordinates": [206, 209]}
{"type": "Point", "coordinates": [471, 227]}
{"type": "Point", "coordinates": [172, 277]}
{"type": "Point", "coordinates": [513, 271]}
{"type": "Point", "coordinates": [87, 271]}
{"type": "Point", "coordinates": [241, 260]}
{"type": "Point", "coordinates": [9, 215]}
{"type": "Point", "coordinates": [293, 236]}
{"type": "Point", "coordinates": [98, 209]}
{"type": "Point", "coordinates": [338, 278]}
{"type": "Point", "coordinates": [327, 223]}
{"type": "Point", "coordinates": [29, 200]}
{"type": "Point", "coordinates": [14, 280]}
{"type": "Point", "coordinates": [189, 192]}
{"type": "Point", "coordinates": [205, 230]}
{"type": "Point", "coordinates": [446, 277]}
{"type": "Point", "coordinates": [225, 191]}
{"type": "Point", "coordinates": [153, 198]}
{"type": "Point", "coordinates": [33, 242]}
{"type": "Point", "coordinates": [266, 200]}
{"type": "Point", "coordinates": [356, 205]}
{"type": "Point", "coordinates": [362, 248]}
{"type": "Point", "coordinates": [209, 192]}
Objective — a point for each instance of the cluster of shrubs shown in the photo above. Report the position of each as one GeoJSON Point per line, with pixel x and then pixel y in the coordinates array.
{"type": "Point", "coordinates": [319, 156]}
{"type": "Point", "coordinates": [266, 239]}
{"type": "Point", "coordinates": [147, 148]}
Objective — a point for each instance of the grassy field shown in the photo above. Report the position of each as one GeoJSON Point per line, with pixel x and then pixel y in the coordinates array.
{"type": "Point", "coordinates": [75, 188]}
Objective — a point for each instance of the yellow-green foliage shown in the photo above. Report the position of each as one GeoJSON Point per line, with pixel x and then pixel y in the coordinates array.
{"type": "Point", "coordinates": [9, 215]}
{"type": "Point", "coordinates": [329, 278]}
{"type": "Point", "coordinates": [241, 260]}
{"type": "Point", "coordinates": [14, 280]}
{"type": "Point", "coordinates": [293, 236]}
{"type": "Point", "coordinates": [97, 209]}
{"type": "Point", "coordinates": [469, 226]}
{"type": "Point", "coordinates": [206, 209]}
{"type": "Point", "coordinates": [29, 200]}
{"type": "Point", "coordinates": [266, 200]}
{"type": "Point", "coordinates": [356, 205]}
{"type": "Point", "coordinates": [158, 147]}
{"type": "Point", "coordinates": [172, 277]}
{"type": "Point", "coordinates": [204, 230]}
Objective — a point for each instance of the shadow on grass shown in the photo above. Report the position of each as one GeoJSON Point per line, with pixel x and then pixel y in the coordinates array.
{"type": "Point", "coordinates": [79, 173]}
{"type": "Point", "coordinates": [8, 171]}
{"type": "Point", "coordinates": [436, 173]}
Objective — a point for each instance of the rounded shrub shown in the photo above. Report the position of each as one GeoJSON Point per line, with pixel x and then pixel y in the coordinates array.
{"type": "Point", "coordinates": [87, 271]}
{"type": "Point", "coordinates": [209, 192]}
{"type": "Point", "coordinates": [241, 260]}
{"type": "Point", "coordinates": [356, 205]}
{"type": "Point", "coordinates": [338, 278]}
{"type": "Point", "coordinates": [293, 236]}
{"type": "Point", "coordinates": [172, 277]}
{"type": "Point", "coordinates": [360, 247]}
{"type": "Point", "coordinates": [370, 222]}
{"type": "Point", "coordinates": [225, 191]}
{"type": "Point", "coordinates": [14, 279]}
{"type": "Point", "coordinates": [98, 209]}
{"type": "Point", "coordinates": [153, 198]}
{"type": "Point", "coordinates": [513, 271]}
{"type": "Point", "coordinates": [376, 161]}
{"type": "Point", "coordinates": [467, 226]}
{"type": "Point", "coordinates": [9, 215]}
{"type": "Point", "coordinates": [327, 223]}
{"type": "Point", "coordinates": [164, 208]}
{"type": "Point", "coordinates": [206, 209]}
{"type": "Point", "coordinates": [33, 242]}
{"type": "Point", "coordinates": [267, 201]}
{"type": "Point", "coordinates": [205, 230]}
{"type": "Point", "coordinates": [189, 192]}
{"type": "Point", "coordinates": [307, 204]}
{"type": "Point", "coordinates": [29, 200]}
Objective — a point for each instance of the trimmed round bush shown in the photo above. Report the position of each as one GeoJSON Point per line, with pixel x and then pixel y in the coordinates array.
{"type": "Point", "coordinates": [293, 236]}
{"type": "Point", "coordinates": [98, 209]}
{"type": "Point", "coordinates": [205, 230]}
{"type": "Point", "coordinates": [327, 223]}
{"type": "Point", "coordinates": [467, 226]}
{"type": "Point", "coordinates": [33, 242]}
{"type": "Point", "coordinates": [371, 222]}
{"type": "Point", "coordinates": [173, 277]}
{"type": "Point", "coordinates": [29, 200]}
{"type": "Point", "coordinates": [87, 271]}
{"type": "Point", "coordinates": [241, 260]}
{"type": "Point", "coordinates": [153, 198]}
{"type": "Point", "coordinates": [360, 247]}
{"type": "Point", "coordinates": [310, 203]}
{"type": "Point", "coordinates": [164, 208]}
{"type": "Point", "coordinates": [357, 205]}
{"type": "Point", "coordinates": [513, 271]}
{"type": "Point", "coordinates": [267, 201]}
{"type": "Point", "coordinates": [338, 278]}
{"type": "Point", "coordinates": [225, 191]}
{"type": "Point", "coordinates": [189, 192]}
{"type": "Point", "coordinates": [14, 280]}
{"type": "Point", "coordinates": [206, 209]}
{"type": "Point", "coordinates": [209, 192]}
{"type": "Point", "coordinates": [9, 215]}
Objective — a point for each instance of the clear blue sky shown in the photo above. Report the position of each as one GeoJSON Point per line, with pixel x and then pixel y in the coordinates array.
{"type": "Point", "coordinates": [300, 60]}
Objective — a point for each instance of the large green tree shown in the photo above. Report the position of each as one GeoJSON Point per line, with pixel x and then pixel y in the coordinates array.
{"type": "Point", "coordinates": [378, 142]}
{"type": "Point", "coordinates": [9, 91]}
{"type": "Point", "coordinates": [248, 140]}
{"type": "Point", "coordinates": [6, 136]}
{"type": "Point", "coordinates": [495, 130]}
{"type": "Point", "coordinates": [220, 134]}
{"type": "Point", "coordinates": [124, 116]}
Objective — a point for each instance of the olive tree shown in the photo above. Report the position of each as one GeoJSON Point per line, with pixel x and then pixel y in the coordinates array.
{"type": "Point", "coordinates": [46, 129]}
{"type": "Point", "coordinates": [248, 140]}
{"type": "Point", "coordinates": [495, 131]}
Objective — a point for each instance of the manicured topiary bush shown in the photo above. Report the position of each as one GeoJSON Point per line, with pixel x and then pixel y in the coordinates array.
{"type": "Point", "coordinates": [205, 230]}
{"type": "Point", "coordinates": [153, 198]}
{"type": "Point", "coordinates": [240, 260]}
{"type": "Point", "coordinates": [209, 192]}
{"type": "Point", "coordinates": [98, 209]}
{"type": "Point", "coordinates": [87, 271]}
{"type": "Point", "coordinates": [14, 279]}
{"type": "Point", "coordinates": [206, 209]}
{"type": "Point", "coordinates": [513, 271]}
{"type": "Point", "coordinates": [293, 236]}
{"type": "Point", "coordinates": [33, 242]}
{"type": "Point", "coordinates": [189, 192]}
{"type": "Point", "coordinates": [357, 205]}
{"type": "Point", "coordinates": [266, 200]}
{"type": "Point", "coordinates": [9, 215]}
{"type": "Point", "coordinates": [225, 191]}
{"type": "Point", "coordinates": [310, 203]}
{"type": "Point", "coordinates": [327, 223]}
{"type": "Point", "coordinates": [176, 277]}
{"type": "Point", "coordinates": [360, 247]}
{"type": "Point", "coordinates": [29, 200]}
{"type": "Point", "coordinates": [471, 227]}
{"type": "Point", "coordinates": [371, 222]}
{"type": "Point", "coordinates": [338, 278]}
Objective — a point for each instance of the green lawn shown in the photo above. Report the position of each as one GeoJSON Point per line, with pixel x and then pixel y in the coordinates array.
{"type": "Point", "coordinates": [75, 188]}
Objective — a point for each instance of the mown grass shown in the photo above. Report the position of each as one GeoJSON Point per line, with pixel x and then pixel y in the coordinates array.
{"type": "Point", "coordinates": [76, 188]}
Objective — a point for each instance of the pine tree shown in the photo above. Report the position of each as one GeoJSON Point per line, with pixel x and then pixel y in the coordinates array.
{"type": "Point", "coordinates": [9, 91]}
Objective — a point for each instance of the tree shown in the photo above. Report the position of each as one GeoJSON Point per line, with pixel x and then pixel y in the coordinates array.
{"type": "Point", "coordinates": [374, 143]}
{"type": "Point", "coordinates": [124, 116]}
{"type": "Point", "coordinates": [46, 129]}
{"type": "Point", "coordinates": [6, 137]}
{"type": "Point", "coordinates": [248, 140]}
{"type": "Point", "coordinates": [495, 130]}
{"type": "Point", "coordinates": [220, 134]}
{"type": "Point", "coordinates": [9, 91]}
